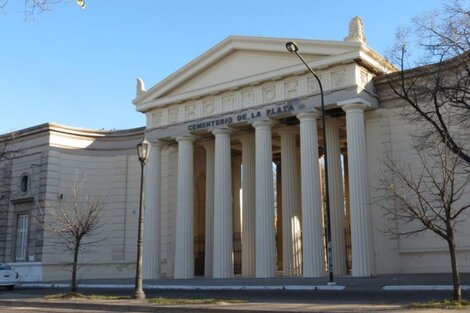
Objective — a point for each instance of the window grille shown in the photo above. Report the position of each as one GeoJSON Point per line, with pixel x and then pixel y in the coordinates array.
{"type": "Point", "coordinates": [22, 237]}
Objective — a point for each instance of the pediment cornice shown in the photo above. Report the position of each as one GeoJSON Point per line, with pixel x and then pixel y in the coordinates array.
{"type": "Point", "coordinates": [327, 54]}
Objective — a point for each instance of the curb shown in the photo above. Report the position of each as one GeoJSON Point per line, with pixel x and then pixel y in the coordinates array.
{"type": "Point", "coordinates": [422, 287]}
{"type": "Point", "coordinates": [119, 307]}
{"type": "Point", "coordinates": [190, 287]}
{"type": "Point", "coordinates": [128, 306]}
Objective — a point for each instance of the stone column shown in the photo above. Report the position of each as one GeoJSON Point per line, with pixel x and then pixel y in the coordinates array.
{"type": "Point", "coordinates": [265, 231]}
{"type": "Point", "coordinates": [290, 201]}
{"type": "Point", "coordinates": [278, 212]}
{"type": "Point", "coordinates": [348, 211]}
{"type": "Point", "coordinates": [312, 241]}
{"type": "Point", "coordinates": [248, 204]}
{"type": "Point", "coordinates": [236, 185]}
{"type": "Point", "coordinates": [361, 229]}
{"type": "Point", "coordinates": [223, 241]}
{"type": "Point", "coordinates": [151, 257]}
{"type": "Point", "coordinates": [209, 233]}
{"type": "Point", "coordinates": [298, 213]}
{"type": "Point", "coordinates": [184, 233]}
{"type": "Point", "coordinates": [335, 180]}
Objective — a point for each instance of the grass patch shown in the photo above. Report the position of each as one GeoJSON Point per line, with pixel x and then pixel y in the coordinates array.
{"type": "Point", "coordinates": [173, 301]}
{"type": "Point", "coordinates": [80, 296]}
{"type": "Point", "coordinates": [442, 304]}
{"type": "Point", "coordinates": [159, 300]}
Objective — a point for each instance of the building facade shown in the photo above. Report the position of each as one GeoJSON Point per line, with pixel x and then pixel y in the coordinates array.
{"type": "Point", "coordinates": [233, 184]}
{"type": "Point", "coordinates": [44, 164]}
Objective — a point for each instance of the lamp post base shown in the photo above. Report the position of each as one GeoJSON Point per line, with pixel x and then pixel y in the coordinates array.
{"type": "Point", "coordinates": [139, 295]}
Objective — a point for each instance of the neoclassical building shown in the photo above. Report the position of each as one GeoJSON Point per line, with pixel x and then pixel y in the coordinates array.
{"type": "Point", "coordinates": [234, 180]}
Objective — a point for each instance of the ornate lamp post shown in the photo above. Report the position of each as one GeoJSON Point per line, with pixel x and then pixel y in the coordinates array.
{"type": "Point", "coordinates": [293, 48]}
{"type": "Point", "coordinates": [142, 152]}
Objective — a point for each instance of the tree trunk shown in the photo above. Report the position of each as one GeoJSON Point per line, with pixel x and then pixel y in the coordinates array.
{"type": "Point", "coordinates": [455, 270]}
{"type": "Point", "coordinates": [73, 283]}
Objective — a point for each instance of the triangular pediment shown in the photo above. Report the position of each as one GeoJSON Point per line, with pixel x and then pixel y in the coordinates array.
{"type": "Point", "coordinates": [240, 61]}
{"type": "Point", "coordinates": [239, 65]}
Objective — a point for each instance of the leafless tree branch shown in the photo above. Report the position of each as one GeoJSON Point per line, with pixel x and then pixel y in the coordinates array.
{"type": "Point", "coordinates": [75, 220]}
{"type": "Point", "coordinates": [35, 7]}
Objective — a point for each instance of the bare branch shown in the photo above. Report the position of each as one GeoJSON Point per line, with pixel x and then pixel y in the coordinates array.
{"type": "Point", "coordinates": [74, 220]}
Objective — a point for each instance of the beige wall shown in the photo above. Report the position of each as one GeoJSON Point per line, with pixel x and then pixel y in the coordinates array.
{"type": "Point", "coordinates": [55, 157]}
{"type": "Point", "coordinates": [110, 169]}
{"type": "Point", "coordinates": [423, 253]}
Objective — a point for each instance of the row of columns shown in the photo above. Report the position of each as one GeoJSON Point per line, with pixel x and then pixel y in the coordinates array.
{"type": "Point", "coordinates": [258, 229]}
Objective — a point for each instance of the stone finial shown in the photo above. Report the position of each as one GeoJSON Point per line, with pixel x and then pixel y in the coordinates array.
{"type": "Point", "coordinates": [356, 30]}
{"type": "Point", "coordinates": [140, 87]}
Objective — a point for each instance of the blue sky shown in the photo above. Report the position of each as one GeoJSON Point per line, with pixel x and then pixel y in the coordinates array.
{"type": "Point", "coordinates": [78, 67]}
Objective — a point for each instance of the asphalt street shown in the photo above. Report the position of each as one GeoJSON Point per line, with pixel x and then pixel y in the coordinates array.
{"type": "Point", "coordinates": [288, 296]}
{"type": "Point", "coordinates": [354, 295]}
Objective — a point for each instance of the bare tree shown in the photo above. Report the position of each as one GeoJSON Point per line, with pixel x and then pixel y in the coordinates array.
{"type": "Point", "coordinates": [428, 195]}
{"type": "Point", "coordinates": [32, 7]}
{"type": "Point", "coordinates": [75, 220]}
{"type": "Point", "coordinates": [7, 149]}
{"type": "Point", "coordinates": [440, 86]}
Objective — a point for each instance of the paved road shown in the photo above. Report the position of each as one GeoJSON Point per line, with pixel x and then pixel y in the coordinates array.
{"type": "Point", "coordinates": [360, 294]}
{"type": "Point", "coordinates": [288, 296]}
{"type": "Point", "coordinates": [24, 309]}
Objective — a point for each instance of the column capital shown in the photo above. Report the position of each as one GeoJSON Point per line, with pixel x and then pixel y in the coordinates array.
{"type": "Point", "coordinates": [356, 104]}
{"type": "Point", "coordinates": [309, 115]}
{"type": "Point", "coordinates": [222, 131]}
{"type": "Point", "coordinates": [188, 138]}
{"type": "Point", "coordinates": [264, 124]}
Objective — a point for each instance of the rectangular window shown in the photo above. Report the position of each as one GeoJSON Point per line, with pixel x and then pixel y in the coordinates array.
{"type": "Point", "coordinates": [22, 237]}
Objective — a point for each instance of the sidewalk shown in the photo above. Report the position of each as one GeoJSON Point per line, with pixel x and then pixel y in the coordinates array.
{"type": "Point", "coordinates": [350, 294]}
{"type": "Point", "coordinates": [385, 282]}
{"type": "Point", "coordinates": [139, 306]}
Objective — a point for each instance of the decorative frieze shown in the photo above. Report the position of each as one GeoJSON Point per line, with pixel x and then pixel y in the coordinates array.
{"type": "Point", "coordinates": [190, 111]}
{"type": "Point", "coordinates": [172, 116]}
{"type": "Point", "coordinates": [269, 94]}
{"type": "Point", "coordinates": [364, 78]}
{"type": "Point", "coordinates": [291, 89]}
{"type": "Point", "coordinates": [253, 96]}
{"type": "Point", "coordinates": [248, 99]}
{"type": "Point", "coordinates": [209, 107]}
{"type": "Point", "coordinates": [339, 79]}
{"type": "Point", "coordinates": [157, 119]}
{"type": "Point", "coordinates": [312, 85]}
{"type": "Point", "coordinates": [228, 103]}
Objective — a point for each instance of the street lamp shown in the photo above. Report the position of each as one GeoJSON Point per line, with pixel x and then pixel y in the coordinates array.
{"type": "Point", "coordinates": [142, 153]}
{"type": "Point", "coordinates": [293, 48]}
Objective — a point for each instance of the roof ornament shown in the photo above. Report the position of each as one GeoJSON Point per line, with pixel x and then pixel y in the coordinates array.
{"type": "Point", "coordinates": [356, 30]}
{"type": "Point", "coordinates": [140, 90]}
